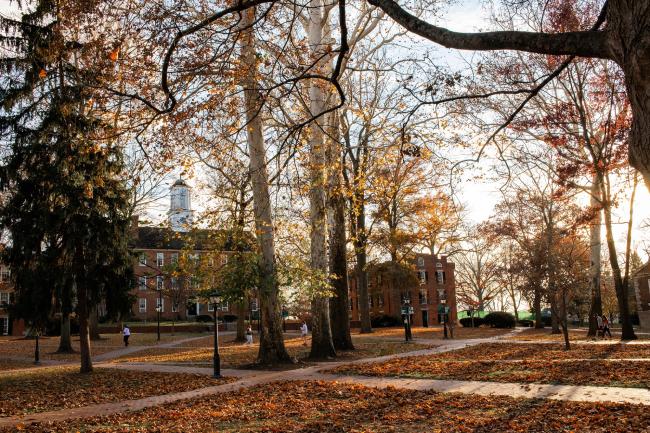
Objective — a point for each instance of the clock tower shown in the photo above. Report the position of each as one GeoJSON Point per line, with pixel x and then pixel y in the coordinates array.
{"type": "Point", "coordinates": [180, 210]}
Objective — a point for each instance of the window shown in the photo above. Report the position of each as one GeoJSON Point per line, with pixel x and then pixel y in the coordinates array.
{"type": "Point", "coordinates": [225, 306]}
{"type": "Point", "coordinates": [160, 303]}
{"type": "Point", "coordinates": [404, 297]}
{"type": "Point", "coordinates": [423, 276]}
{"type": "Point", "coordinates": [142, 258]}
{"type": "Point", "coordinates": [142, 283]}
{"type": "Point", "coordinates": [423, 297]}
{"type": "Point", "coordinates": [211, 261]}
{"type": "Point", "coordinates": [380, 301]}
{"type": "Point", "coordinates": [210, 307]}
{"type": "Point", "coordinates": [174, 258]}
{"type": "Point", "coordinates": [4, 298]}
{"type": "Point", "coordinates": [254, 305]}
{"type": "Point", "coordinates": [5, 274]}
{"type": "Point", "coordinates": [440, 277]}
{"type": "Point", "coordinates": [174, 282]}
{"type": "Point", "coordinates": [438, 265]}
{"type": "Point", "coordinates": [4, 326]}
{"type": "Point", "coordinates": [224, 260]}
{"type": "Point", "coordinates": [160, 259]}
{"type": "Point", "coordinates": [371, 302]}
{"type": "Point", "coordinates": [420, 261]}
{"type": "Point", "coordinates": [351, 305]}
{"type": "Point", "coordinates": [174, 307]}
{"type": "Point", "coordinates": [160, 282]}
{"type": "Point", "coordinates": [195, 258]}
{"type": "Point", "coordinates": [142, 302]}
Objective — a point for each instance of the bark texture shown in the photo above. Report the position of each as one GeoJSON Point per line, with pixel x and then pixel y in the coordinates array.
{"type": "Point", "coordinates": [272, 349]}
{"type": "Point", "coordinates": [596, 304]}
{"type": "Point", "coordinates": [65, 342]}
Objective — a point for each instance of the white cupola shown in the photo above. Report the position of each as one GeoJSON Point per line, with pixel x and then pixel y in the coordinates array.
{"type": "Point", "coordinates": [180, 209]}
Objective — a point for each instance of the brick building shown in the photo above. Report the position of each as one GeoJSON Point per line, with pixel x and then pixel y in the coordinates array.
{"type": "Point", "coordinates": [641, 281]}
{"type": "Point", "coordinates": [436, 286]}
{"type": "Point", "coordinates": [159, 250]}
{"type": "Point", "coordinates": [5, 299]}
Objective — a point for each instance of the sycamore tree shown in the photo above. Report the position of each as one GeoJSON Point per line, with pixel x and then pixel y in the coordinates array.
{"type": "Point", "coordinates": [66, 206]}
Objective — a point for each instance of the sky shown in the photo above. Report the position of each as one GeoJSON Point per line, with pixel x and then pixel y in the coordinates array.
{"type": "Point", "coordinates": [478, 196]}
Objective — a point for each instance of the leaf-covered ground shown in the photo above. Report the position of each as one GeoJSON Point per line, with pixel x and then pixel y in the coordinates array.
{"type": "Point", "coordinates": [315, 407]}
{"type": "Point", "coordinates": [241, 355]}
{"type": "Point", "coordinates": [10, 364]}
{"type": "Point", "coordinates": [437, 333]}
{"type": "Point", "coordinates": [497, 351]}
{"type": "Point", "coordinates": [50, 388]}
{"type": "Point", "coordinates": [584, 364]}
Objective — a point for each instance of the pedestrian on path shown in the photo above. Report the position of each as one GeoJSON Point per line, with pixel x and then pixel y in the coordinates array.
{"type": "Point", "coordinates": [599, 320]}
{"type": "Point", "coordinates": [606, 327]}
{"type": "Point", "coordinates": [303, 332]}
{"type": "Point", "coordinates": [127, 333]}
{"type": "Point", "coordinates": [249, 335]}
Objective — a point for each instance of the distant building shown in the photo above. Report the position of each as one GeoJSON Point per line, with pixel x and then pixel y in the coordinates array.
{"type": "Point", "coordinates": [436, 287]}
{"type": "Point", "coordinates": [6, 291]}
{"type": "Point", "coordinates": [159, 250]}
{"type": "Point", "coordinates": [641, 281]}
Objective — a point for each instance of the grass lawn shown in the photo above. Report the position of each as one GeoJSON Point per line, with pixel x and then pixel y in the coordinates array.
{"type": "Point", "coordinates": [16, 347]}
{"type": "Point", "coordinates": [50, 388]}
{"type": "Point", "coordinates": [526, 363]}
{"type": "Point", "coordinates": [240, 355]}
{"type": "Point", "coordinates": [316, 407]}
{"type": "Point", "coordinates": [437, 333]}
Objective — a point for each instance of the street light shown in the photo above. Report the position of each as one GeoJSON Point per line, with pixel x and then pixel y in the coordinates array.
{"type": "Point", "coordinates": [215, 300]}
{"type": "Point", "coordinates": [159, 309]}
{"type": "Point", "coordinates": [406, 310]}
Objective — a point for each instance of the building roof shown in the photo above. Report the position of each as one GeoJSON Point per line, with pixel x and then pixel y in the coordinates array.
{"type": "Point", "coordinates": [163, 238]}
{"type": "Point", "coordinates": [180, 182]}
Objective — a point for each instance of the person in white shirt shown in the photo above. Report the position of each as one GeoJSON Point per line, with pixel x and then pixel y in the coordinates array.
{"type": "Point", "coordinates": [249, 335]}
{"type": "Point", "coordinates": [303, 333]}
{"type": "Point", "coordinates": [127, 333]}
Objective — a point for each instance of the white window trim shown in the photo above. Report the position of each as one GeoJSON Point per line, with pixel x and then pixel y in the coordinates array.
{"type": "Point", "coordinates": [160, 259]}
{"type": "Point", "coordinates": [142, 259]}
{"type": "Point", "coordinates": [142, 307]}
{"type": "Point", "coordinates": [160, 302]}
{"type": "Point", "coordinates": [4, 328]}
{"type": "Point", "coordinates": [7, 297]}
{"type": "Point", "coordinates": [173, 258]}
{"type": "Point", "coordinates": [174, 307]}
{"type": "Point", "coordinates": [420, 261]}
{"type": "Point", "coordinates": [142, 283]}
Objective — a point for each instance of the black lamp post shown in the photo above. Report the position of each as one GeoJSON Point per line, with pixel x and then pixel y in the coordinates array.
{"type": "Point", "coordinates": [37, 351]}
{"type": "Point", "coordinates": [215, 300]}
{"type": "Point", "coordinates": [407, 321]}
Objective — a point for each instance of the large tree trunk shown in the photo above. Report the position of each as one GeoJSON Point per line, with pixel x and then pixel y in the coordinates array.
{"type": "Point", "coordinates": [360, 251]}
{"type": "Point", "coordinates": [555, 314]}
{"type": "Point", "coordinates": [628, 25]}
{"type": "Point", "coordinates": [596, 305]}
{"type": "Point", "coordinates": [65, 342]}
{"type": "Point", "coordinates": [338, 264]}
{"type": "Point", "coordinates": [322, 345]}
{"type": "Point", "coordinates": [84, 329]}
{"type": "Point", "coordinates": [272, 349]}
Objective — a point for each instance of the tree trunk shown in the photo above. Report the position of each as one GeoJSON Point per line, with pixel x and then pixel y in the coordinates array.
{"type": "Point", "coordinates": [241, 321]}
{"type": "Point", "coordinates": [628, 25]}
{"type": "Point", "coordinates": [322, 345]}
{"type": "Point", "coordinates": [627, 330]}
{"type": "Point", "coordinates": [272, 349]}
{"type": "Point", "coordinates": [537, 306]}
{"type": "Point", "coordinates": [361, 274]}
{"type": "Point", "coordinates": [84, 329]}
{"type": "Point", "coordinates": [338, 263]}
{"type": "Point", "coordinates": [596, 305]}
{"type": "Point", "coordinates": [65, 342]}
{"type": "Point", "coordinates": [94, 325]}
{"type": "Point", "coordinates": [555, 314]}
{"type": "Point", "coordinates": [565, 322]}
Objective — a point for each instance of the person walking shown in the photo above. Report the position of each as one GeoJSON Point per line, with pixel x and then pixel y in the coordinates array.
{"type": "Point", "coordinates": [249, 335]}
{"type": "Point", "coordinates": [606, 327]}
{"type": "Point", "coordinates": [599, 320]}
{"type": "Point", "coordinates": [126, 332]}
{"type": "Point", "coordinates": [303, 332]}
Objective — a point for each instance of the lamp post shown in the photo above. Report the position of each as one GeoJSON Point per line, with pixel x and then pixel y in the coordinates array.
{"type": "Point", "coordinates": [215, 300]}
{"type": "Point", "coordinates": [406, 309]}
{"type": "Point", "coordinates": [37, 352]}
{"type": "Point", "coordinates": [444, 317]}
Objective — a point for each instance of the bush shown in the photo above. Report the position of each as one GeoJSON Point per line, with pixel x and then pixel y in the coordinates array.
{"type": "Point", "coordinates": [229, 318]}
{"type": "Point", "coordinates": [499, 319]}
{"type": "Point", "coordinates": [204, 318]}
{"type": "Point", "coordinates": [385, 321]}
{"type": "Point", "coordinates": [467, 322]}
{"type": "Point", "coordinates": [526, 323]}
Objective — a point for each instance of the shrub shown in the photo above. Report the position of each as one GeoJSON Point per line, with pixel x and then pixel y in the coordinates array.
{"type": "Point", "coordinates": [204, 318]}
{"type": "Point", "coordinates": [499, 319]}
{"type": "Point", "coordinates": [385, 321]}
{"type": "Point", "coordinates": [526, 323]}
{"type": "Point", "coordinates": [467, 322]}
{"type": "Point", "coordinates": [228, 318]}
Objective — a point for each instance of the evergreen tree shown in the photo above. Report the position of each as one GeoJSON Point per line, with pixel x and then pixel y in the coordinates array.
{"type": "Point", "coordinates": [65, 204]}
